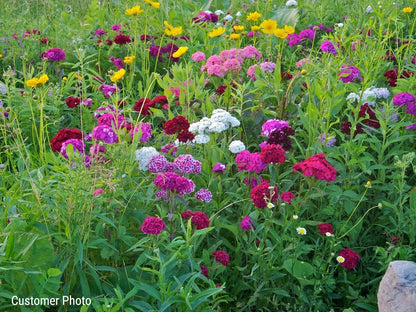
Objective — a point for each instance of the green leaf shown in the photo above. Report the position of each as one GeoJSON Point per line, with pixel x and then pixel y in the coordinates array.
{"type": "Point", "coordinates": [299, 269]}
{"type": "Point", "coordinates": [54, 272]}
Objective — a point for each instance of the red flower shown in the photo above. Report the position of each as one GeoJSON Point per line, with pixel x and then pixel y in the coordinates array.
{"type": "Point", "coordinates": [153, 225]}
{"type": "Point", "coordinates": [317, 166]}
{"type": "Point", "coordinates": [161, 100]}
{"type": "Point", "coordinates": [325, 228]}
{"type": "Point", "coordinates": [204, 271]}
{"type": "Point", "coordinates": [287, 197]}
{"type": "Point", "coordinates": [72, 102]}
{"type": "Point", "coordinates": [142, 106]}
{"type": "Point", "coordinates": [220, 90]}
{"type": "Point", "coordinates": [273, 154]}
{"type": "Point", "coordinates": [64, 135]}
{"type": "Point", "coordinates": [351, 258]}
{"type": "Point", "coordinates": [221, 256]}
{"type": "Point", "coordinates": [175, 125]}
{"type": "Point", "coordinates": [43, 40]}
{"type": "Point", "coordinates": [122, 39]}
{"type": "Point", "coordinates": [262, 191]}
{"type": "Point", "coordinates": [198, 218]}
{"type": "Point", "coordinates": [185, 136]}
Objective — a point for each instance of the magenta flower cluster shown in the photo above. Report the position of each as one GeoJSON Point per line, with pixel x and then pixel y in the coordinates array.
{"type": "Point", "coordinates": [174, 183]}
{"type": "Point", "coordinates": [54, 54]}
{"type": "Point", "coordinates": [349, 73]}
{"type": "Point", "coordinates": [204, 195]}
{"type": "Point", "coordinates": [317, 166]}
{"type": "Point", "coordinates": [153, 225]}
{"type": "Point", "coordinates": [251, 162]}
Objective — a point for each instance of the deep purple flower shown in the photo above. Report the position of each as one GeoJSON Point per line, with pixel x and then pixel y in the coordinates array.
{"type": "Point", "coordinates": [99, 32]}
{"type": "Point", "coordinates": [403, 99]}
{"type": "Point", "coordinates": [153, 225]}
{"type": "Point", "coordinates": [327, 46]}
{"type": "Point", "coordinates": [77, 145]}
{"type": "Point", "coordinates": [219, 167]}
{"type": "Point", "coordinates": [104, 133]}
{"type": "Point", "coordinates": [349, 73]}
{"type": "Point", "coordinates": [246, 224]}
{"type": "Point", "coordinates": [117, 62]}
{"type": "Point", "coordinates": [54, 54]}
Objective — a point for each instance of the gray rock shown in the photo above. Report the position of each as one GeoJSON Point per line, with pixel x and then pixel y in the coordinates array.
{"type": "Point", "coordinates": [397, 290]}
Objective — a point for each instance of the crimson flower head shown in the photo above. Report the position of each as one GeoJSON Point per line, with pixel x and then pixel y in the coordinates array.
{"type": "Point", "coordinates": [273, 154]}
{"type": "Point", "coordinates": [72, 102]}
{"type": "Point", "coordinates": [198, 218]}
{"type": "Point", "coordinates": [221, 256]}
{"type": "Point", "coordinates": [153, 225]}
{"type": "Point", "coordinates": [325, 228]}
{"type": "Point", "coordinates": [142, 106]}
{"type": "Point", "coordinates": [318, 167]}
{"type": "Point", "coordinates": [64, 135]}
{"type": "Point", "coordinates": [262, 191]}
{"type": "Point", "coordinates": [348, 258]}
{"type": "Point", "coordinates": [176, 125]}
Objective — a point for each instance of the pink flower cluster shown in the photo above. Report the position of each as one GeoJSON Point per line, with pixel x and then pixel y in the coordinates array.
{"type": "Point", "coordinates": [198, 218]}
{"type": "Point", "coordinates": [317, 166]}
{"type": "Point", "coordinates": [153, 225]}
{"type": "Point", "coordinates": [174, 182]}
{"type": "Point", "coordinates": [273, 125]}
{"type": "Point", "coordinates": [264, 191]}
{"type": "Point", "coordinates": [246, 224]}
{"type": "Point", "coordinates": [77, 145]}
{"type": "Point", "coordinates": [251, 162]}
{"type": "Point", "coordinates": [221, 256]}
{"type": "Point", "coordinates": [145, 129]}
{"type": "Point", "coordinates": [204, 195]}
{"type": "Point", "coordinates": [187, 164]}
{"type": "Point", "coordinates": [229, 61]}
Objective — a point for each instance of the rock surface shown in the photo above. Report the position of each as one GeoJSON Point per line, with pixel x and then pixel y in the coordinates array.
{"type": "Point", "coordinates": [397, 290]}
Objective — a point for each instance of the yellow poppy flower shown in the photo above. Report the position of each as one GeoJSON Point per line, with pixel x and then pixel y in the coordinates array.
{"type": "Point", "coordinates": [118, 75]}
{"type": "Point", "coordinates": [254, 16]}
{"type": "Point", "coordinates": [156, 5]}
{"type": "Point", "coordinates": [238, 28]}
{"type": "Point", "coordinates": [181, 51]}
{"type": "Point", "coordinates": [280, 33]}
{"type": "Point", "coordinates": [289, 29]}
{"type": "Point", "coordinates": [235, 36]}
{"type": "Point", "coordinates": [216, 32]}
{"type": "Point", "coordinates": [268, 26]}
{"type": "Point", "coordinates": [255, 28]}
{"type": "Point", "coordinates": [172, 31]}
{"type": "Point", "coordinates": [37, 81]}
{"type": "Point", "coordinates": [134, 10]}
{"type": "Point", "coordinates": [407, 10]}
{"type": "Point", "coordinates": [129, 59]}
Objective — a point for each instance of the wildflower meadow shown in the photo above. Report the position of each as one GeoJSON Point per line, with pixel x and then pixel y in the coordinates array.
{"type": "Point", "coordinates": [205, 155]}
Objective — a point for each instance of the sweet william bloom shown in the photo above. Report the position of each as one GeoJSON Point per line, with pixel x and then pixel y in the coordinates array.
{"type": "Point", "coordinates": [153, 225]}
{"type": "Point", "coordinates": [64, 135]}
{"type": "Point", "coordinates": [268, 26]}
{"type": "Point", "coordinates": [287, 197]}
{"type": "Point", "coordinates": [404, 99]}
{"type": "Point", "coordinates": [134, 10]}
{"type": "Point", "coordinates": [98, 191]}
{"type": "Point", "coordinates": [253, 16]}
{"type": "Point", "coordinates": [351, 258]}
{"type": "Point", "coordinates": [216, 32]}
{"type": "Point", "coordinates": [246, 224]}
{"type": "Point", "coordinates": [198, 56]}
{"type": "Point", "coordinates": [327, 46]}
{"type": "Point", "coordinates": [181, 51]}
{"type": "Point", "coordinates": [204, 271]}
{"type": "Point", "coordinates": [54, 54]}
{"type": "Point", "coordinates": [204, 195]}
{"type": "Point", "coordinates": [222, 257]}
{"type": "Point", "coordinates": [118, 75]}
{"type": "Point", "coordinates": [198, 218]}
{"type": "Point", "coordinates": [349, 73]}
{"type": "Point", "coordinates": [219, 167]}
{"type": "Point", "coordinates": [325, 228]}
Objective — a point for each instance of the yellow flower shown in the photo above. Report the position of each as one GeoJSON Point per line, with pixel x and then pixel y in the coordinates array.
{"type": "Point", "coordinates": [118, 75]}
{"type": "Point", "coordinates": [255, 28]}
{"type": "Point", "coordinates": [280, 33]}
{"type": "Point", "coordinates": [43, 79]}
{"type": "Point", "coordinates": [254, 16]}
{"type": "Point", "coordinates": [1, 55]}
{"type": "Point", "coordinates": [235, 36]}
{"type": "Point", "coordinates": [407, 10]}
{"type": "Point", "coordinates": [129, 59]}
{"type": "Point", "coordinates": [172, 31]}
{"type": "Point", "coordinates": [238, 28]}
{"type": "Point", "coordinates": [64, 79]}
{"type": "Point", "coordinates": [368, 184]}
{"type": "Point", "coordinates": [181, 51]}
{"type": "Point", "coordinates": [37, 81]}
{"type": "Point", "coordinates": [156, 5]}
{"type": "Point", "coordinates": [270, 205]}
{"type": "Point", "coordinates": [289, 29]}
{"type": "Point", "coordinates": [134, 10]}
{"type": "Point", "coordinates": [268, 26]}
{"type": "Point", "coordinates": [78, 77]}
{"type": "Point", "coordinates": [216, 32]}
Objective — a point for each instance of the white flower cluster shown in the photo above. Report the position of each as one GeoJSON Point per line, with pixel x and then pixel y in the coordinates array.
{"type": "Point", "coordinates": [369, 95]}
{"type": "Point", "coordinates": [143, 156]}
{"type": "Point", "coordinates": [236, 147]}
{"type": "Point", "coordinates": [220, 120]}
{"type": "Point", "coordinates": [291, 3]}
